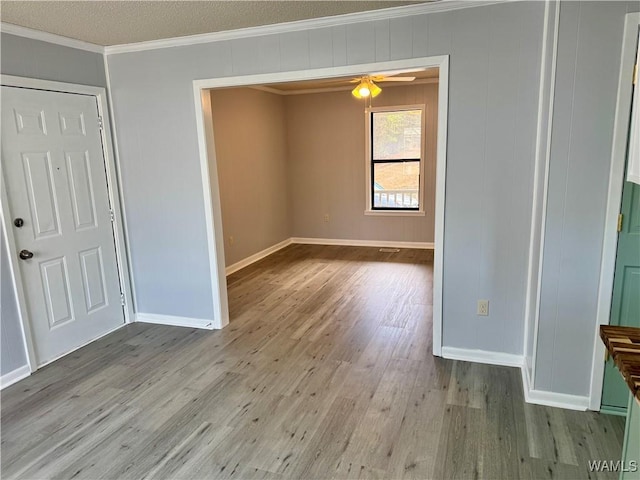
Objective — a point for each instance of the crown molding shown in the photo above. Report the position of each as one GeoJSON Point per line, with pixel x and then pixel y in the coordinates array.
{"type": "Point", "coordinates": [278, 28]}
{"type": "Point", "coordinates": [25, 32]}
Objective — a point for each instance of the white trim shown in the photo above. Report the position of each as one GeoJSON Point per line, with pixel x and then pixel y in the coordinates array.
{"type": "Point", "coordinates": [112, 173]}
{"type": "Point", "coordinates": [279, 28]}
{"type": "Point", "coordinates": [211, 190]}
{"type": "Point", "coordinates": [441, 182]}
{"type": "Point", "coordinates": [538, 397]}
{"type": "Point", "coordinates": [16, 278]}
{"type": "Point", "coordinates": [38, 84]}
{"type": "Point", "coordinates": [130, 297]}
{"type": "Point", "coordinates": [614, 197]}
{"type": "Point", "coordinates": [14, 376]}
{"type": "Point", "coordinates": [530, 302]}
{"type": "Point", "coordinates": [323, 241]}
{"type": "Point", "coordinates": [419, 63]}
{"type": "Point", "coordinates": [552, 399]}
{"type": "Point", "coordinates": [361, 243]}
{"type": "Point", "coordinates": [368, 160]}
{"type": "Point", "coordinates": [393, 213]}
{"type": "Point", "coordinates": [25, 32]}
{"type": "Point", "coordinates": [257, 256]}
{"type": "Point", "coordinates": [212, 205]}
{"type": "Point", "coordinates": [175, 321]}
{"type": "Point", "coordinates": [482, 356]}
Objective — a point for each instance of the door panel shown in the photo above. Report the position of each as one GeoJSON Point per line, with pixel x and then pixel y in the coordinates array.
{"type": "Point", "coordinates": [39, 178]}
{"type": "Point", "coordinates": [53, 167]}
{"type": "Point", "coordinates": [57, 294]}
{"type": "Point", "coordinates": [82, 201]}
{"type": "Point", "coordinates": [630, 301]}
{"type": "Point", "coordinates": [93, 279]}
{"type": "Point", "coordinates": [30, 121]}
{"type": "Point", "coordinates": [72, 123]}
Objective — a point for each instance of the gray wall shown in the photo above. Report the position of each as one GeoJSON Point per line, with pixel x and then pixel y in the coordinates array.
{"type": "Point", "coordinates": [12, 353]}
{"type": "Point", "coordinates": [25, 57]}
{"type": "Point", "coordinates": [32, 58]}
{"type": "Point", "coordinates": [589, 46]}
{"type": "Point", "coordinates": [495, 60]}
{"type": "Point", "coordinates": [495, 54]}
{"type": "Point", "coordinates": [251, 154]}
{"type": "Point", "coordinates": [327, 166]}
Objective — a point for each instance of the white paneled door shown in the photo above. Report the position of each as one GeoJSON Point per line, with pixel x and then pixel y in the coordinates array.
{"type": "Point", "coordinates": [54, 173]}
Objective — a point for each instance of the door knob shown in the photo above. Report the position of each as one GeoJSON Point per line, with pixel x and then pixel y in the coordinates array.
{"type": "Point", "coordinates": [18, 222]}
{"type": "Point", "coordinates": [25, 254]}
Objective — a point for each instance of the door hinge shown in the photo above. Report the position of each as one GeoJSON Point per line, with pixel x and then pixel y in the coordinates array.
{"type": "Point", "coordinates": [100, 123]}
{"type": "Point", "coordinates": [620, 218]}
{"type": "Point", "coordinates": [122, 302]}
{"type": "Point", "coordinates": [113, 216]}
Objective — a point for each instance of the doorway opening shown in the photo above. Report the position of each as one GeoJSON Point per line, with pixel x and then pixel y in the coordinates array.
{"type": "Point", "coordinates": [211, 176]}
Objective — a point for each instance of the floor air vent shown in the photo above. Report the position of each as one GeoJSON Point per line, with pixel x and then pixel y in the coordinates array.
{"type": "Point", "coordinates": [389, 250]}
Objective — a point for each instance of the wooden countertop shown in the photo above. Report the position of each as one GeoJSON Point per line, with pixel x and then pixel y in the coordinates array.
{"type": "Point", "coordinates": [623, 344]}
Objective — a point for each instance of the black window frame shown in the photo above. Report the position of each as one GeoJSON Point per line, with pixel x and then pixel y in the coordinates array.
{"type": "Point", "coordinates": [373, 162]}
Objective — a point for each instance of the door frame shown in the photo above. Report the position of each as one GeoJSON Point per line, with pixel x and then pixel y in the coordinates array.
{"type": "Point", "coordinates": [211, 190]}
{"type": "Point", "coordinates": [113, 188]}
{"type": "Point", "coordinates": [614, 197]}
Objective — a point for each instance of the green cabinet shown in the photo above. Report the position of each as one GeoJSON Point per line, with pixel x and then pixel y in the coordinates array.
{"type": "Point", "coordinates": [631, 448]}
{"type": "Point", "coordinates": [625, 301]}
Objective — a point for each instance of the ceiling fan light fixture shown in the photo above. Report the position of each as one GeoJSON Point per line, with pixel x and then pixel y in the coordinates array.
{"type": "Point", "coordinates": [365, 89]}
{"type": "Point", "coordinates": [375, 89]}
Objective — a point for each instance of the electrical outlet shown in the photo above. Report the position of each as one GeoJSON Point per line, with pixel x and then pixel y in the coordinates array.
{"type": "Point", "coordinates": [326, 218]}
{"type": "Point", "coordinates": [483, 308]}
{"type": "Point", "coordinates": [231, 240]}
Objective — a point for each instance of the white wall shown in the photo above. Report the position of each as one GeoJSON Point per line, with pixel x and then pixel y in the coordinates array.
{"type": "Point", "coordinates": [251, 155]}
{"type": "Point", "coordinates": [494, 54]}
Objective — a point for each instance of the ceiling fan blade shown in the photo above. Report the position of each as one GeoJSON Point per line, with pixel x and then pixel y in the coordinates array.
{"type": "Point", "coordinates": [395, 79]}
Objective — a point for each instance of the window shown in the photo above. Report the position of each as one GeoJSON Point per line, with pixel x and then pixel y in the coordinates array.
{"type": "Point", "coordinates": [395, 160]}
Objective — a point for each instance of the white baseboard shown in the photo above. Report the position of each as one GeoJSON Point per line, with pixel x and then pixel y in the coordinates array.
{"type": "Point", "coordinates": [174, 321]}
{"type": "Point", "coordinates": [14, 376]}
{"type": "Point", "coordinates": [323, 241]}
{"type": "Point", "coordinates": [256, 256]}
{"type": "Point", "coordinates": [538, 397]}
{"type": "Point", "coordinates": [552, 399]}
{"type": "Point", "coordinates": [483, 356]}
{"type": "Point", "coordinates": [362, 243]}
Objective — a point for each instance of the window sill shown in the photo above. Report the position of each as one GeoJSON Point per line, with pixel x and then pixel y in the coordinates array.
{"type": "Point", "coordinates": [393, 213]}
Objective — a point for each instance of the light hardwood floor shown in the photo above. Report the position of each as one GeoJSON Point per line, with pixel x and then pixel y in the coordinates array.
{"type": "Point", "coordinates": [325, 371]}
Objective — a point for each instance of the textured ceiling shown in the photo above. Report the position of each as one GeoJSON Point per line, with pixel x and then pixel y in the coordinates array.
{"type": "Point", "coordinates": [120, 22]}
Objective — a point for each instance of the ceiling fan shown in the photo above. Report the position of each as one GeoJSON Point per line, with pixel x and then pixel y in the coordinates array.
{"type": "Point", "coordinates": [367, 84]}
